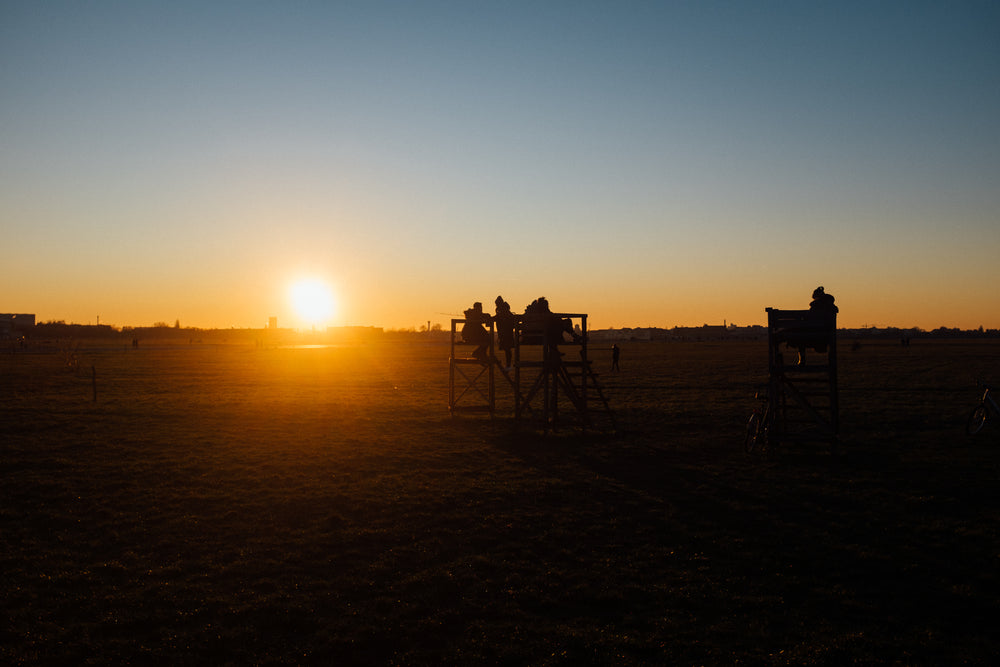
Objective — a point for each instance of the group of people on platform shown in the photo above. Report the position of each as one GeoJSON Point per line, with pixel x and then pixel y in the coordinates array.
{"type": "Point", "coordinates": [539, 326]}
{"type": "Point", "coordinates": [475, 333]}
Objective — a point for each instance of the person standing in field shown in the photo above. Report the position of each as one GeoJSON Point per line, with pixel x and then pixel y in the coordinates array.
{"type": "Point", "coordinates": [615, 354]}
{"type": "Point", "coordinates": [505, 330]}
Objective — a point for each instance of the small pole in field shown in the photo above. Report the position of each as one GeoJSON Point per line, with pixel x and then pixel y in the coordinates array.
{"type": "Point", "coordinates": [93, 376]}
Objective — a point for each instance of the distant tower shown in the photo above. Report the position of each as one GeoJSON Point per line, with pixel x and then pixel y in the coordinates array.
{"type": "Point", "coordinates": [272, 323]}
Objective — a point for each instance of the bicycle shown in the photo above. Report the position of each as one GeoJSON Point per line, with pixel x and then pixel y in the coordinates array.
{"type": "Point", "coordinates": [759, 425]}
{"type": "Point", "coordinates": [987, 408]}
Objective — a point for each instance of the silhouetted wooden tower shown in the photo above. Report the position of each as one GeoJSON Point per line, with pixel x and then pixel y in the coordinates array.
{"type": "Point", "coordinates": [468, 375]}
{"type": "Point", "coordinates": [552, 380]}
{"type": "Point", "coordinates": [802, 394]}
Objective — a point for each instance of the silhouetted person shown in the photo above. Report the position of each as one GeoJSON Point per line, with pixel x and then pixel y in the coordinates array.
{"type": "Point", "coordinates": [539, 306]}
{"type": "Point", "coordinates": [505, 329]}
{"type": "Point", "coordinates": [536, 314]}
{"type": "Point", "coordinates": [822, 302]}
{"type": "Point", "coordinates": [615, 354]}
{"type": "Point", "coordinates": [544, 326]}
{"type": "Point", "coordinates": [473, 331]}
{"type": "Point", "coordinates": [822, 310]}
{"type": "Point", "coordinates": [547, 327]}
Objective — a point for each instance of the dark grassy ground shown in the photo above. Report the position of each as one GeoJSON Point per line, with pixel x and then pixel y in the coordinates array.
{"type": "Point", "coordinates": [226, 504]}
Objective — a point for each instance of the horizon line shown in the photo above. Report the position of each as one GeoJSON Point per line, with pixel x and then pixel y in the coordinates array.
{"type": "Point", "coordinates": [422, 328]}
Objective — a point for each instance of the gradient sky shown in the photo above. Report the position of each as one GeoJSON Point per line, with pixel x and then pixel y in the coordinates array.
{"type": "Point", "coordinates": [648, 163]}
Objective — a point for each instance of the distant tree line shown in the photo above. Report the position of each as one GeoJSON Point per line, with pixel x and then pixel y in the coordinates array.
{"type": "Point", "coordinates": [60, 329]}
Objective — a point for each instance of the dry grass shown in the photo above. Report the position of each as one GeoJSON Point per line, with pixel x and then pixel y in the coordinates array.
{"type": "Point", "coordinates": [225, 504]}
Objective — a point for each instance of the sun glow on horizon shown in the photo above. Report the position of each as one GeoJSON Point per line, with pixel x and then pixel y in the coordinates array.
{"type": "Point", "coordinates": [313, 302]}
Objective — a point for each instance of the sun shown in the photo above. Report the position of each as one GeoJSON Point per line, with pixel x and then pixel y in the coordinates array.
{"type": "Point", "coordinates": [312, 300]}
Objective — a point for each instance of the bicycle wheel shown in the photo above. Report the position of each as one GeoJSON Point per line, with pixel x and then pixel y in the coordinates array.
{"type": "Point", "coordinates": [752, 435]}
{"type": "Point", "coordinates": [977, 419]}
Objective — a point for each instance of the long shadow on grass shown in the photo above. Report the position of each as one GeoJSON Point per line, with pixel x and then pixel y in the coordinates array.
{"type": "Point", "coordinates": [819, 557]}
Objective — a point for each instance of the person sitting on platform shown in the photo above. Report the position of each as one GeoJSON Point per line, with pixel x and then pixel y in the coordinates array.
{"type": "Point", "coordinates": [473, 331]}
{"type": "Point", "coordinates": [822, 310]}
{"type": "Point", "coordinates": [544, 326]}
{"type": "Point", "coordinates": [536, 314]}
{"type": "Point", "coordinates": [505, 330]}
{"type": "Point", "coordinates": [822, 303]}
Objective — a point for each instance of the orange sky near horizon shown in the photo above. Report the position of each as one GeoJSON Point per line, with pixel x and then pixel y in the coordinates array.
{"type": "Point", "coordinates": [661, 165]}
{"type": "Point", "coordinates": [861, 306]}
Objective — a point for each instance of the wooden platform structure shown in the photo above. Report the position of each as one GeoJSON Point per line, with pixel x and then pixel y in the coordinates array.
{"type": "Point", "coordinates": [468, 376]}
{"type": "Point", "coordinates": [802, 395]}
{"type": "Point", "coordinates": [549, 382]}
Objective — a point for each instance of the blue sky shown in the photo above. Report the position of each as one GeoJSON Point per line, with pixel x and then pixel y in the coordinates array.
{"type": "Point", "coordinates": [662, 164]}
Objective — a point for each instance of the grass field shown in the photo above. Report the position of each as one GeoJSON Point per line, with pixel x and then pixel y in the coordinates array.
{"type": "Point", "coordinates": [231, 504]}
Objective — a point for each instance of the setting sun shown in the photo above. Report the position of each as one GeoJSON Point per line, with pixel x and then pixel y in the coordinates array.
{"type": "Point", "coordinates": [312, 300]}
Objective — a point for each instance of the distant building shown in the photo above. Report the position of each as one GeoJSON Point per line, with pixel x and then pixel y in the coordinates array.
{"type": "Point", "coordinates": [16, 324]}
{"type": "Point", "coordinates": [272, 323]}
